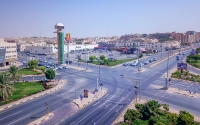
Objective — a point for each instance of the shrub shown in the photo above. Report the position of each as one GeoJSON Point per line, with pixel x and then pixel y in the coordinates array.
{"type": "Point", "coordinates": [50, 74]}
{"type": "Point", "coordinates": [33, 64]}
{"type": "Point", "coordinates": [185, 118]}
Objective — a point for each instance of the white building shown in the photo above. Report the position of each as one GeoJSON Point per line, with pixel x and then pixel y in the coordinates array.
{"type": "Point", "coordinates": [48, 50]}
{"type": "Point", "coordinates": [11, 52]}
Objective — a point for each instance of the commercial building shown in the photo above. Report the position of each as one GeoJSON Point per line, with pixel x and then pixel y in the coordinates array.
{"type": "Point", "coordinates": [11, 52]}
{"type": "Point", "coordinates": [52, 49]}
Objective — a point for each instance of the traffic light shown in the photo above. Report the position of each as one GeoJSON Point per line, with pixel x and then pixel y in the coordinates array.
{"type": "Point", "coordinates": [181, 70]}
{"type": "Point", "coordinates": [85, 93]}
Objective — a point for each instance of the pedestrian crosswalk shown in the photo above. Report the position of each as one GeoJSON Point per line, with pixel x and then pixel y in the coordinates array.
{"type": "Point", "coordinates": [129, 68]}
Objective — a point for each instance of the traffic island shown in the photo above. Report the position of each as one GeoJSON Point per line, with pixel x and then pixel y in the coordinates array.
{"type": "Point", "coordinates": [81, 103]}
{"type": "Point", "coordinates": [42, 119]}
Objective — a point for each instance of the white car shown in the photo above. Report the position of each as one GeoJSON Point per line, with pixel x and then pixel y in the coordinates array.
{"type": "Point", "coordinates": [147, 62]}
{"type": "Point", "coordinates": [65, 67]}
{"type": "Point", "coordinates": [24, 62]}
{"type": "Point", "coordinates": [60, 67]}
{"type": "Point", "coordinates": [45, 61]}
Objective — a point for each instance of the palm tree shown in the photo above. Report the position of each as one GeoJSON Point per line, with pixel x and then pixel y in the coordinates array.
{"type": "Point", "coordinates": [14, 71]}
{"type": "Point", "coordinates": [5, 87]}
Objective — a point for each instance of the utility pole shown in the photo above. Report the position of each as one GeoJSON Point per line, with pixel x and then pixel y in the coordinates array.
{"type": "Point", "coordinates": [138, 53]}
{"type": "Point", "coordinates": [99, 65]}
{"type": "Point", "coordinates": [47, 107]}
{"type": "Point", "coordinates": [161, 50]}
{"type": "Point", "coordinates": [167, 79]}
{"type": "Point", "coordinates": [68, 53]}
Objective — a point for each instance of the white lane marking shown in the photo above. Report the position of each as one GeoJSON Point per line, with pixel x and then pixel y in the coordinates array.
{"type": "Point", "coordinates": [93, 111]}
{"type": "Point", "coordinates": [11, 115]}
{"type": "Point", "coordinates": [96, 103]}
{"type": "Point", "coordinates": [19, 119]}
{"type": "Point", "coordinates": [110, 110]}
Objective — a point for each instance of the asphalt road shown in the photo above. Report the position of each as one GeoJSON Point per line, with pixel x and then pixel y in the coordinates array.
{"type": "Point", "coordinates": [120, 92]}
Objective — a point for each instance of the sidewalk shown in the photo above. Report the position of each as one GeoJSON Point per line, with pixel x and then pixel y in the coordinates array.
{"type": "Point", "coordinates": [59, 85]}
{"type": "Point", "coordinates": [91, 97]}
{"type": "Point", "coordinates": [17, 64]}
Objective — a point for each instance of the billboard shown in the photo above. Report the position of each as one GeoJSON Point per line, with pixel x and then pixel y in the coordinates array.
{"type": "Point", "coordinates": [182, 66]}
{"type": "Point", "coordinates": [2, 54]}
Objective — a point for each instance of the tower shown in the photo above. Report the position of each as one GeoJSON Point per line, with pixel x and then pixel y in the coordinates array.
{"type": "Point", "coordinates": [60, 42]}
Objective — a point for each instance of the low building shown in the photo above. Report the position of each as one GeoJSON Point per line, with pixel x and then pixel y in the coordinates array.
{"type": "Point", "coordinates": [52, 49]}
{"type": "Point", "coordinates": [11, 52]}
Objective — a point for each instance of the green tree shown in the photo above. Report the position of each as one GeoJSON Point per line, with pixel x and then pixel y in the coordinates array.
{"type": "Point", "coordinates": [185, 118]}
{"type": "Point", "coordinates": [132, 115]}
{"type": "Point", "coordinates": [33, 64]}
{"type": "Point", "coordinates": [102, 57]}
{"type": "Point", "coordinates": [92, 58]}
{"type": "Point", "coordinates": [106, 61]}
{"type": "Point", "coordinates": [166, 107]}
{"type": "Point", "coordinates": [14, 72]}
{"type": "Point", "coordinates": [150, 109]}
{"type": "Point", "coordinates": [173, 117]}
{"type": "Point", "coordinates": [43, 69]}
{"type": "Point", "coordinates": [6, 87]}
{"type": "Point", "coordinates": [50, 74]}
{"type": "Point", "coordinates": [197, 51]}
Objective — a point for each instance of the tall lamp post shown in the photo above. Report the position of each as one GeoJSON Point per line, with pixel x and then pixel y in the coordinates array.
{"type": "Point", "coordinates": [167, 78]}
{"type": "Point", "coordinates": [137, 81]}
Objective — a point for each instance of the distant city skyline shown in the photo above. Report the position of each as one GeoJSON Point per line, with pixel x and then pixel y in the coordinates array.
{"type": "Point", "coordinates": [91, 18]}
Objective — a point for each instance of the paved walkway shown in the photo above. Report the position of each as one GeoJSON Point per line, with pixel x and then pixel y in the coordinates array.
{"type": "Point", "coordinates": [17, 64]}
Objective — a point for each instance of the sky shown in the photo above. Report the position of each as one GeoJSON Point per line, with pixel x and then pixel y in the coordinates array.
{"type": "Point", "coordinates": [97, 18]}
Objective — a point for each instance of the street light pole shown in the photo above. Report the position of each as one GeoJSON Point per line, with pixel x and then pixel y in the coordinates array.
{"type": "Point", "coordinates": [166, 79]}
{"type": "Point", "coordinates": [138, 81]}
{"type": "Point", "coordinates": [99, 65]}
{"type": "Point", "coordinates": [138, 52]}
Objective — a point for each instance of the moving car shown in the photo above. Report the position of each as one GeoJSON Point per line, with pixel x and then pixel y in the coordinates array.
{"type": "Point", "coordinates": [125, 64]}
{"type": "Point", "coordinates": [134, 63]}
{"type": "Point", "coordinates": [65, 67]}
{"type": "Point", "coordinates": [154, 59]}
{"type": "Point", "coordinates": [147, 62]}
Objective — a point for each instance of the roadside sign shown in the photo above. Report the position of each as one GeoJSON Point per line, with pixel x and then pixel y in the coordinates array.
{"type": "Point", "coordinates": [67, 37]}
{"type": "Point", "coordinates": [81, 96]}
{"type": "Point", "coordinates": [182, 66]}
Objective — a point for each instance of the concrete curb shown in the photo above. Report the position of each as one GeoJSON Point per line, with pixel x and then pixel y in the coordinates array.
{"type": "Point", "coordinates": [85, 104]}
{"type": "Point", "coordinates": [42, 119]}
{"type": "Point", "coordinates": [20, 101]}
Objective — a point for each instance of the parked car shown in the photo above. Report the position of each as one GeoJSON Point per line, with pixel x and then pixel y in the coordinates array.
{"type": "Point", "coordinates": [154, 59]}
{"type": "Point", "coordinates": [24, 62]}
